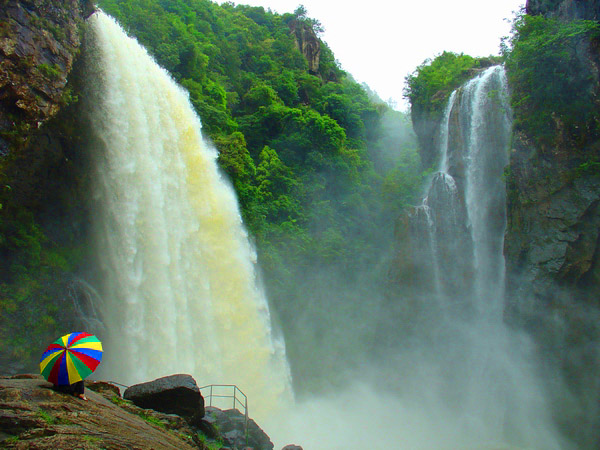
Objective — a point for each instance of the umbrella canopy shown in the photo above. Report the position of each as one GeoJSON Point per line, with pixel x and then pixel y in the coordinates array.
{"type": "Point", "coordinates": [71, 358]}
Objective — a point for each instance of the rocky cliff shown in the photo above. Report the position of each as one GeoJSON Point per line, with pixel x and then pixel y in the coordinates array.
{"type": "Point", "coordinates": [42, 199]}
{"type": "Point", "coordinates": [565, 9]}
{"type": "Point", "coordinates": [308, 43]}
{"type": "Point", "coordinates": [39, 40]}
{"type": "Point", "coordinates": [552, 247]}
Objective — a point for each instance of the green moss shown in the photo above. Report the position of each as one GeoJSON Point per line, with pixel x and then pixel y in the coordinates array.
{"type": "Point", "coordinates": [91, 439]}
{"type": "Point", "coordinates": [47, 417]}
{"type": "Point", "coordinates": [590, 167]}
{"type": "Point", "coordinates": [5, 29]}
{"type": "Point", "coordinates": [68, 97]}
{"type": "Point", "coordinates": [151, 419]}
{"type": "Point", "coordinates": [119, 401]}
{"type": "Point", "coordinates": [53, 72]}
{"type": "Point", "coordinates": [210, 444]}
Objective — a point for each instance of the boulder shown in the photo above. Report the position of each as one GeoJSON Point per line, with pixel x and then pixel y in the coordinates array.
{"type": "Point", "coordinates": [173, 394]}
{"type": "Point", "coordinates": [231, 425]}
{"type": "Point", "coordinates": [292, 447]}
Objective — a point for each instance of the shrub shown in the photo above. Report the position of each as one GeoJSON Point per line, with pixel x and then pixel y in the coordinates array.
{"type": "Point", "coordinates": [551, 83]}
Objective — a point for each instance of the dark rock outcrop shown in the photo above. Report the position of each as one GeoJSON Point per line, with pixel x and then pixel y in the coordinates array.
{"type": "Point", "coordinates": [564, 9]}
{"type": "Point", "coordinates": [308, 43]}
{"type": "Point", "coordinates": [173, 394]}
{"type": "Point", "coordinates": [39, 40]}
{"type": "Point", "coordinates": [552, 249]}
{"type": "Point", "coordinates": [237, 430]}
{"type": "Point", "coordinates": [426, 124]}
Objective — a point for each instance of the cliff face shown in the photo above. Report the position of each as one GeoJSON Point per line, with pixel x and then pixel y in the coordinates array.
{"type": "Point", "coordinates": [552, 247]}
{"type": "Point", "coordinates": [564, 9]}
{"type": "Point", "coordinates": [553, 218]}
{"type": "Point", "coordinates": [552, 243]}
{"type": "Point", "coordinates": [39, 40]}
{"type": "Point", "coordinates": [42, 213]}
{"type": "Point", "coordinates": [308, 43]}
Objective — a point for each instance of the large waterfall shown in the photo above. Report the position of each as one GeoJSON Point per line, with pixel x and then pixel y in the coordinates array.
{"type": "Point", "coordinates": [180, 285]}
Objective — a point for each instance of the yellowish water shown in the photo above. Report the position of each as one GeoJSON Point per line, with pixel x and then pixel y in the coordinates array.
{"type": "Point", "coordinates": [179, 273]}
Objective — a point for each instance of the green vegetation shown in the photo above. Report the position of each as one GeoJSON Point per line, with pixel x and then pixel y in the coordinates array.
{"type": "Point", "coordinates": [120, 401]}
{"type": "Point", "coordinates": [209, 444]}
{"type": "Point", "coordinates": [46, 417]}
{"type": "Point", "coordinates": [552, 83]}
{"type": "Point", "coordinates": [50, 72]}
{"type": "Point", "coordinates": [50, 419]}
{"type": "Point", "coordinates": [28, 304]}
{"type": "Point", "coordinates": [151, 418]}
{"type": "Point", "coordinates": [37, 262]}
{"type": "Point", "coordinates": [91, 439]}
{"type": "Point", "coordinates": [320, 165]}
{"type": "Point", "coordinates": [430, 85]}
{"type": "Point", "coordinates": [316, 160]}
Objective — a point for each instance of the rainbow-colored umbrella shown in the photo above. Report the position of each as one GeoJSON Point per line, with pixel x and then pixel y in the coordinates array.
{"type": "Point", "coordinates": [71, 358]}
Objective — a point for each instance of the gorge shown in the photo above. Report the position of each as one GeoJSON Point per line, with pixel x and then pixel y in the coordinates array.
{"type": "Point", "coordinates": [255, 246]}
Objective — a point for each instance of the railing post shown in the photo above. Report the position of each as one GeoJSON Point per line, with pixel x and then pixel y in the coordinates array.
{"type": "Point", "coordinates": [246, 424]}
{"type": "Point", "coordinates": [235, 401]}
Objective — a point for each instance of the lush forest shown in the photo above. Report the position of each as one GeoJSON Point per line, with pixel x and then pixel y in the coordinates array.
{"type": "Point", "coordinates": [320, 164]}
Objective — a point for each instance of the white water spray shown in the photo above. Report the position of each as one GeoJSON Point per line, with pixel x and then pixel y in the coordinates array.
{"type": "Point", "coordinates": [462, 365]}
{"type": "Point", "coordinates": [180, 282]}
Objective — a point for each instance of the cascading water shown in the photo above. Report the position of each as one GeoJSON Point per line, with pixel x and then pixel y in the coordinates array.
{"type": "Point", "coordinates": [463, 358]}
{"type": "Point", "coordinates": [181, 294]}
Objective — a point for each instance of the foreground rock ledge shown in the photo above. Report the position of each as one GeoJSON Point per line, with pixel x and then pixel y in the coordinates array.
{"type": "Point", "coordinates": [33, 415]}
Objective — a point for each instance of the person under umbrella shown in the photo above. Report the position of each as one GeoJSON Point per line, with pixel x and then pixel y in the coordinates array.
{"type": "Point", "coordinates": [70, 359]}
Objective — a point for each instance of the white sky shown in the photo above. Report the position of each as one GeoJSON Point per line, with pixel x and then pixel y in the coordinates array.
{"type": "Point", "coordinates": [381, 41]}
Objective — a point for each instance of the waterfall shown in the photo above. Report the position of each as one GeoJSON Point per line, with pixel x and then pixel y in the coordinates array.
{"type": "Point", "coordinates": [461, 356]}
{"type": "Point", "coordinates": [180, 284]}
{"type": "Point", "coordinates": [472, 196]}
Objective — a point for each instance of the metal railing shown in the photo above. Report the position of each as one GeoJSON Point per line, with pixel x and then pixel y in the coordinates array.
{"type": "Point", "coordinates": [236, 394]}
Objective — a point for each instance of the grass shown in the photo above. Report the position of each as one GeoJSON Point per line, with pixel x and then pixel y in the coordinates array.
{"type": "Point", "coordinates": [209, 443]}
{"type": "Point", "coordinates": [119, 401]}
{"type": "Point", "coordinates": [143, 414]}
{"type": "Point", "coordinates": [151, 419]}
{"type": "Point", "coordinates": [47, 417]}
{"type": "Point", "coordinates": [52, 420]}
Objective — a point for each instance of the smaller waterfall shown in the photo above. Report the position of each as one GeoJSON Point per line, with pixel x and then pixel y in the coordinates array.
{"type": "Point", "coordinates": [474, 364]}
{"type": "Point", "coordinates": [444, 133]}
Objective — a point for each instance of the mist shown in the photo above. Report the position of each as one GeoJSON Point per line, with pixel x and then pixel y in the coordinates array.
{"type": "Point", "coordinates": [392, 315]}
{"type": "Point", "coordinates": [406, 346]}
